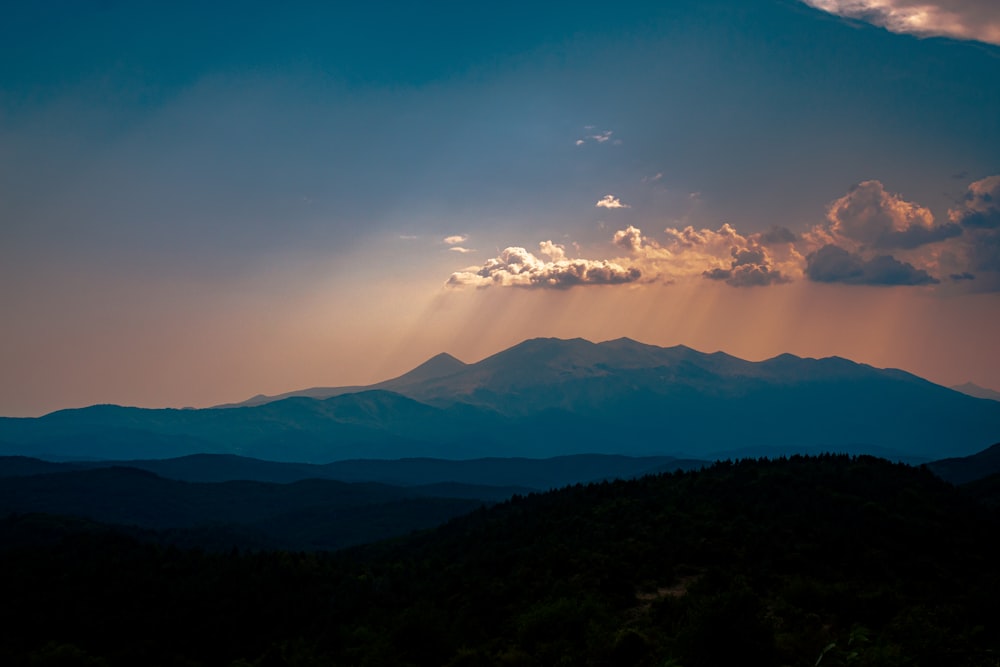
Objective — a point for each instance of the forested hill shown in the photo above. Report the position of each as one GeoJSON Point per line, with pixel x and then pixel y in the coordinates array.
{"type": "Point", "coordinates": [830, 560]}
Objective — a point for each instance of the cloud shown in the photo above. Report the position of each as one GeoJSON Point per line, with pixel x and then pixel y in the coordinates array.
{"type": "Point", "coordinates": [881, 239]}
{"type": "Point", "coordinates": [980, 207]}
{"type": "Point", "coordinates": [833, 264]}
{"type": "Point", "coordinates": [870, 237]}
{"type": "Point", "coordinates": [455, 239]}
{"type": "Point", "coordinates": [460, 249]}
{"type": "Point", "coordinates": [629, 238]}
{"type": "Point", "coordinates": [610, 201]}
{"type": "Point", "coordinates": [751, 267]}
{"type": "Point", "coordinates": [516, 267]}
{"type": "Point", "coordinates": [868, 215]}
{"type": "Point", "coordinates": [777, 234]}
{"type": "Point", "coordinates": [958, 19]}
{"type": "Point", "coordinates": [652, 179]}
{"type": "Point", "coordinates": [978, 215]}
{"type": "Point", "coordinates": [723, 254]}
{"type": "Point", "coordinates": [604, 136]}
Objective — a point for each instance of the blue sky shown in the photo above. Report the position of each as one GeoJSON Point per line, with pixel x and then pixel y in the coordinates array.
{"type": "Point", "coordinates": [201, 204]}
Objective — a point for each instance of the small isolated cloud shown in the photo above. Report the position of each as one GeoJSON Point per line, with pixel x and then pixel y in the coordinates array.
{"type": "Point", "coordinates": [610, 201]}
{"type": "Point", "coordinates": [958, 19]}
{"type": "Point", "coordinates": [653, 179]}
{"type": "Point", "coordinates": [460, 249]}
{"type": "Point", "coordinates": [516, 267]}
{"type": "Point", "coordinates": [604, 136]}
{"type": "Point", "coordinates": [456, 239]}
{"type": "Point", "coordinates": [408, 237]}
{"type": "Point", "coordinates": [833, 264]}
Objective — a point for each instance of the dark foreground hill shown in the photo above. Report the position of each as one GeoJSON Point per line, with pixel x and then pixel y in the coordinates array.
{"type": "Point", "coordinates": [959, 470]}
{"type": "Point", "coordinates": [308, 515]}
{"type": "Point", "coordinates": [549, 397]}
{"type": "Point", "coordinates": [806, 561]}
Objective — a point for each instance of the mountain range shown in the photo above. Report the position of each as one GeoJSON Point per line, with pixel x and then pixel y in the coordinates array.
{"type": "Point", "coordinates": [551, 397]}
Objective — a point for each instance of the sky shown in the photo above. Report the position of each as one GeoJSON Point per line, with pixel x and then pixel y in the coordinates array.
{"type": "Point", "coordinates": [203, 203]}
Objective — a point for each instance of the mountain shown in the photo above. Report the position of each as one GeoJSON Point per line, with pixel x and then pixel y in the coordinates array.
{"type": "Point", "coordinates": [973, 389]}
{"type": "Point", "coordinates": [519, 474]}
{"type": "Point", "coordinates": [441, 365]}
{"type": "Point", "coordinates": [961, 470]}
{"type": "Point", "coordinates": [307, 514]}
{"type": "Point", "coordinates": [550, 397]}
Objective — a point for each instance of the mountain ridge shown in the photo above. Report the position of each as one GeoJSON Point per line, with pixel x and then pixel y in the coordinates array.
{"type": "Point", "coordinates": [548, 397]}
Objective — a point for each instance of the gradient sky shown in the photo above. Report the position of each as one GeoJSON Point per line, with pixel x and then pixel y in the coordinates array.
{"type": "Point", "coordinates": [199, 203]}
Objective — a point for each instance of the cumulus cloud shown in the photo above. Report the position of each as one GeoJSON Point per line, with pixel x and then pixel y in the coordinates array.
{"type": "Point", "coordinates": [610, 201]}
{"type": "Point", "coordinates": [978, 215]}
{"type": "Point", "coordinates": [751, 267]}
{"type": "Point", "coordinates": [980, 207]}
{"type": "Point", "coordinates": [870, 237]}
{"type": "Point", "coordinates": [868, 215]}
{"type": "Point", "coordinates": [516, 267]}
{"type": "Point", "coordinates": [833, 264]}
{"type": "Point", "coordinates": [455, 239]}
{"type": "Point", "coordinates": [958, 19]}
{"type": "Point", "coordinates": [777, 234]}
{"type": "Point", "coordinates": [629, 238]}
{"type": "Point", "coordinates": [723, 254]}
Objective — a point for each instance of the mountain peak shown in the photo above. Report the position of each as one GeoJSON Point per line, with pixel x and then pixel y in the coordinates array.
{"type": "Point", "coordinates": [439, 366]}
{"type": "Point", "coordinates": [973, 389]}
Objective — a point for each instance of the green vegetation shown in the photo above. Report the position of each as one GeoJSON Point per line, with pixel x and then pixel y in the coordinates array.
{"type": "Point", "coordinates": [806, 561]}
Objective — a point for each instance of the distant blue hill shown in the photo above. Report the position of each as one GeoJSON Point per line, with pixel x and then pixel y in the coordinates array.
{"type": "Point", "coordinates": [550, 397]}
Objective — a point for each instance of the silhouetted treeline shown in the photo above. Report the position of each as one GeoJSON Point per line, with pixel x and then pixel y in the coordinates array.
{"type": "Point", "coordinates": [830, 560]}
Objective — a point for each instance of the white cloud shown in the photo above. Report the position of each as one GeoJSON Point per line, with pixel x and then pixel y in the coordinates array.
{"type": "Point", "coordinates": [455, 239]}
{"type": "Point", "coordinates": [516, 267]}
{"type": "Point", "coordinates": [610, 201]}
{"type": "Point", "coordinates": [601, 137]}
{"type": "Point", "coordinates": [959, 19]}
{"type": "Point", "coordinates": [460, 249]}
{"type": "Point", "coordinates": [652, 179]}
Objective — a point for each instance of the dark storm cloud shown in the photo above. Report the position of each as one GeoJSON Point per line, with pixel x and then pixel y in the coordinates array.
{"type": "Point", "coordinates": [832, 264]}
